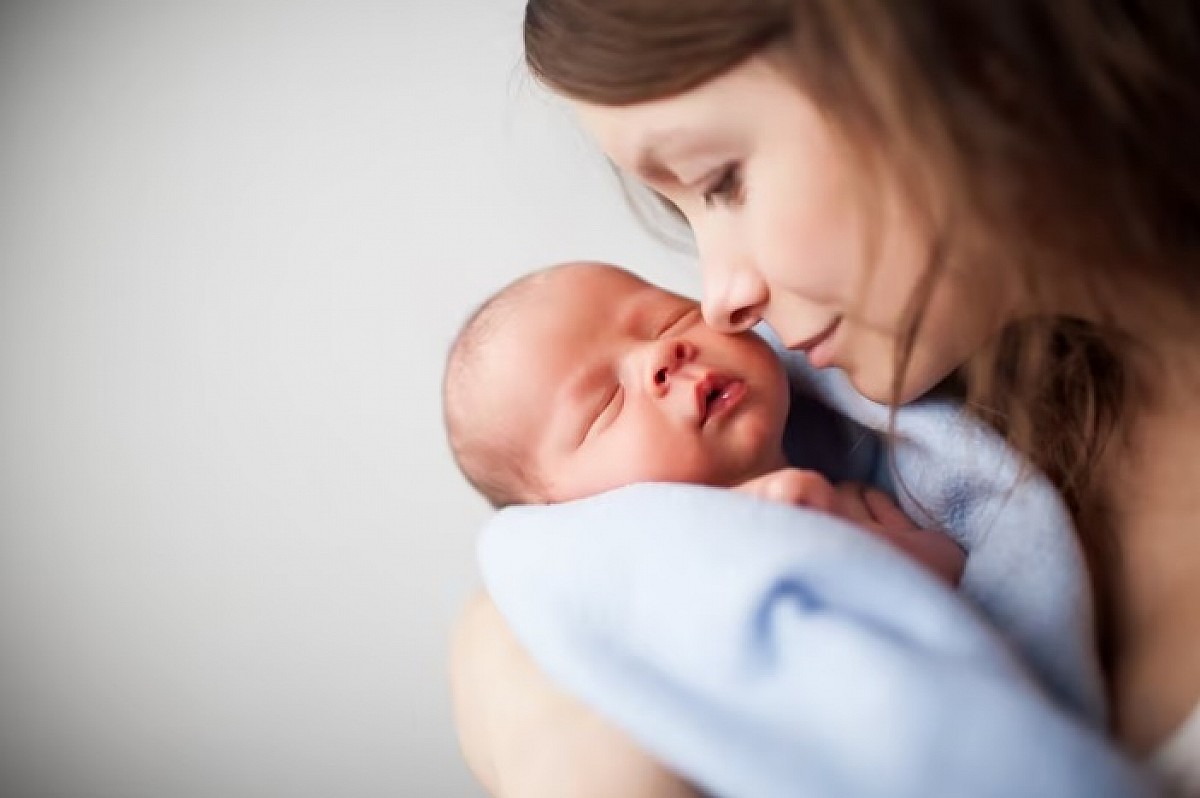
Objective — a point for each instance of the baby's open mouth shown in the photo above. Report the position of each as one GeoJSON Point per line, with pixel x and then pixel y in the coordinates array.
{"type": "Point", "coordinates": [716, 395]}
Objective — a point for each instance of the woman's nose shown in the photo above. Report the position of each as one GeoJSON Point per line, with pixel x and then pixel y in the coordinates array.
{"type": "Point", "coordinates": [667, 358]}
{"type": "Point", "coordinates": [734, 299]}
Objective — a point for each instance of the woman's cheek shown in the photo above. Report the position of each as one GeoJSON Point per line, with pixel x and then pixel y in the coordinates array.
{"type": "Point", "coordinates": [868, 358]}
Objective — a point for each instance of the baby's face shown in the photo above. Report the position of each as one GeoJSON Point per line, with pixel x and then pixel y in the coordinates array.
{"type": "Point", "coordinates": [610, 381]}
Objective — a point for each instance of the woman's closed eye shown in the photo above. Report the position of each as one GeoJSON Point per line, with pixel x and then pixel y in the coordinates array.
{"type": "Point", "coordinates": [726, 187]}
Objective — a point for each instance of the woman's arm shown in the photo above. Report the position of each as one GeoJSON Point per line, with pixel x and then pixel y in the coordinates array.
{"type": "Point", "coordinates": [524, 738]}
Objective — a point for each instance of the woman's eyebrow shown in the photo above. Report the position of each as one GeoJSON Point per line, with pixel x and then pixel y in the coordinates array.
{"type": "Point", "coordinates": [649, 165]}
{"type": "Point", "coordinates": [648, 158]}
{"type": "Point", "coordinates": [659, 146]}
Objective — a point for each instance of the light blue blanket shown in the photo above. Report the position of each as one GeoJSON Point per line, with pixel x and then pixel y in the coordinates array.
{"type": "Point", "coordinates": [764, 650]}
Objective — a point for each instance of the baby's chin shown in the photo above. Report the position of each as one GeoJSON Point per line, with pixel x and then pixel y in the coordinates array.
{"type": "Point", "coordinates": [769, 460]}
{"type": "Point", "coordinates": [762, 441]}
{"type": "Point", "coordinates": [747, 464]}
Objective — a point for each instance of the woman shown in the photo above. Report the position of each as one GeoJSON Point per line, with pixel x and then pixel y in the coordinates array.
{"type": "Point", "coordinates": [1004, 197]}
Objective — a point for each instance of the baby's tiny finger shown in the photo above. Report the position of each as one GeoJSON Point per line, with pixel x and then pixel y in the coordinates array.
{"type": "Point", "coordinates": [800, 489]}
{"type": "Point", "coordinates": [852, 505]}
{"type": "Point", "coordinates": [887, 513]}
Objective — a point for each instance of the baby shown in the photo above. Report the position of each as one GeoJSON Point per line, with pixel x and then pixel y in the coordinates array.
{"type": "Point", "coordinates": [582, 378]}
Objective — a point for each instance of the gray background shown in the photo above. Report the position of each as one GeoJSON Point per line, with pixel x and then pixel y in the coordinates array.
{"type": "Point", "coordinates": [235, 241]}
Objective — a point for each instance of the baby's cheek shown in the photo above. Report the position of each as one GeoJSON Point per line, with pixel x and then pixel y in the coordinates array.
{"type": "Point", "coordinates": [688, 464]}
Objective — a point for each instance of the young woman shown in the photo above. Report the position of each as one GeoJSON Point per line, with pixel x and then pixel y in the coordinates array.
{"type": "Point", "coordinates": [1000, 197]}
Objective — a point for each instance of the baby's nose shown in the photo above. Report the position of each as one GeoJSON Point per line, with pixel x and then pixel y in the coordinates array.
{"type": "Point", "coordinates": [670, 357]}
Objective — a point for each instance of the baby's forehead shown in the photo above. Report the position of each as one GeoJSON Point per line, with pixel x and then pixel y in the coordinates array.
{"type": "Point", "coordinates": [572, 297]}
{"type": "Point", "coordinates": [613, 280]}
{"type": "Point", "coordinates": [557, 320]}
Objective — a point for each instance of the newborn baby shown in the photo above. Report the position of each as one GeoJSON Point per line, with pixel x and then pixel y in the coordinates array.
{"type": "Point", "coordinates": [582, 378]}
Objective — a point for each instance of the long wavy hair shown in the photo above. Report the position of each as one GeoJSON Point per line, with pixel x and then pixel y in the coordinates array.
{"type": "Point", "coordinates": [1057, 140]}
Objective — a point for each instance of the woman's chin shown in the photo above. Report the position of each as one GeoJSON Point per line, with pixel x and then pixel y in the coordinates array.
{"type": "Point", "coordinates": [878, 386]}
{"type": "Point", "coordinates": [876, 393]}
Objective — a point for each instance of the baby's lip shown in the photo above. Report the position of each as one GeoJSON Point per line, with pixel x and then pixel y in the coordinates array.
{"type": "Point", "coordinates": [716, 395]}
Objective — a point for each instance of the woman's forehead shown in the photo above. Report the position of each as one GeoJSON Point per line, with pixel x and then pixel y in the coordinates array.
{"type": "Point", "coordinates": [627, 132]}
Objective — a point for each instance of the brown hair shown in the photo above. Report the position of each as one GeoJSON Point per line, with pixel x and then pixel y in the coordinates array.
{"type": "Point", "coordinates": [1059, 140]}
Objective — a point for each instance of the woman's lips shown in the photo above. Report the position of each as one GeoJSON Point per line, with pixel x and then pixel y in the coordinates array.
{"type": "Point", "coordinates": [819, 348]}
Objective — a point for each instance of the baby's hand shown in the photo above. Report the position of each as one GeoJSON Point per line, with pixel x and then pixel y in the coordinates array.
{"type": "Point", "coordinates": [866, 507]}
{"type": "Point", "coordinates": [793, 486]}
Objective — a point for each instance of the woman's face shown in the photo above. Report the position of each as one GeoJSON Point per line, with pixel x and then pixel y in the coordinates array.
{"type": "Point", "coordinates": [774, 204]}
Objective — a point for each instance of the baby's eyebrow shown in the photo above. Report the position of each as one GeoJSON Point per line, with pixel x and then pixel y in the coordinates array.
{"type": "Point", "coordinates": [630, 313]}
{"type": "Point", "coordinates": [638, 317]}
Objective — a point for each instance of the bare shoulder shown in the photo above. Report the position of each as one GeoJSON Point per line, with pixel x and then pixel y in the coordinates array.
{"type": "Point", "coordinates": [525, 738]}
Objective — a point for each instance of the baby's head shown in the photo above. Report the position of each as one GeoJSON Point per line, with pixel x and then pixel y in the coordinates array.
{"type": "Point", "coordinates": [582, 377]}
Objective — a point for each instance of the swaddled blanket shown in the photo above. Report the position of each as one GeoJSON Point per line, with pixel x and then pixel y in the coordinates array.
{"type": "Point", "coordinates": [764, 650]}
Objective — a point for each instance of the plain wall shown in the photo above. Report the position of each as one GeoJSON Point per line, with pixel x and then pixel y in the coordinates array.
{"type": "Point", "coordinates": [235, 242]}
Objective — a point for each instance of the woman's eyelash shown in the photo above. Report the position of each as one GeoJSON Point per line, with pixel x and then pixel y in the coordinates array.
{"type": "Point", "coordinates": [727, 188]}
